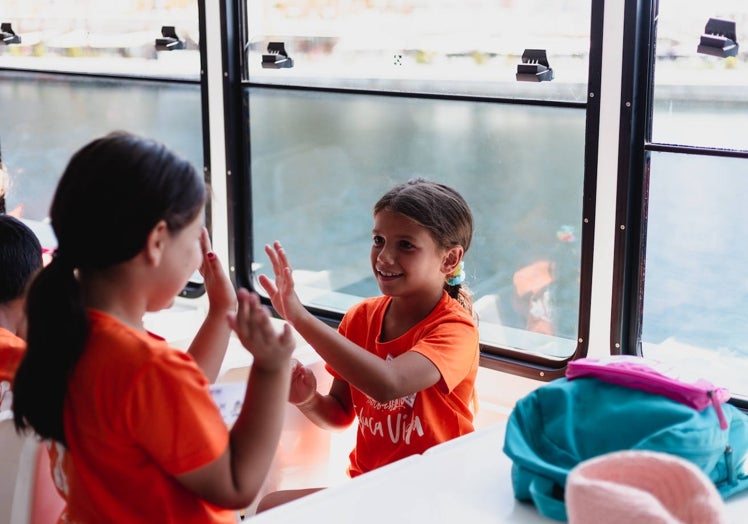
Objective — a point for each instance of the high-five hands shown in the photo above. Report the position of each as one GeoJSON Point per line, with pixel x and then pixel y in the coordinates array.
{"type": "Point", "coordinates": [281, 292]}
{"type": "Point", "coordinates": [218, 286]}
{"type": "Point", "coordinates": [252, 325]}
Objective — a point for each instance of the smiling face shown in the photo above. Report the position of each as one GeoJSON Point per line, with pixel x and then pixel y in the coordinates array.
{"type": "Point", "coordinates": [406, 260]}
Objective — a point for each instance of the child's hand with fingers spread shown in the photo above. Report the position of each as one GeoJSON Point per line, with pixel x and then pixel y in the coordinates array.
{"type": "Point", "coordinates": [218, 286]}
{"type": "Point", "coordinates": [303, 383]}
{"type": "Point", "coordinates": [252, 325]}
{"type": "Point", "coordinates": [282, 293]}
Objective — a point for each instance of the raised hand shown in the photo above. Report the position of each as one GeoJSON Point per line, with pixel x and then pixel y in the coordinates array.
{"type": "Point", "coordinates": [218, 286]}
{"type": "Point", "coordinates": [281, 292]}
{"type": "Point", "coordinates": [208, 348]}
{"type": "Point", "coordinates": [252, 325]}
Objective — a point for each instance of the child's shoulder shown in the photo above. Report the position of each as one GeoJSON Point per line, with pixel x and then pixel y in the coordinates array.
{"type": "Point", "coordinates": [10, 341]}
{"type": "Point", "coordinates": [450, 310]}
{"type": "Point", "coordinates": [117, 341]}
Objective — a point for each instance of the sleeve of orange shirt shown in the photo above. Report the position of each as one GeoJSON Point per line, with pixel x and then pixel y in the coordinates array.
{"type": "Point", "coordinates": [11, 352]}
{"type": "Point", "coordinates": [453, 348]}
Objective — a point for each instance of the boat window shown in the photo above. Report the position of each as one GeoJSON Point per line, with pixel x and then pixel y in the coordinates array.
{"type": "Point", "coordinates": [695, 175]}
{"type": "Point", "coordinates": [363, 95]}
{"type": "Point", "coordinates": [420, 46]}
{"type": "Point", "coordinates": [151, 38]}
{"type": "Point", "coordinates": [700, 98]}
{"type": "Point", "coordinates": [71, 71]}
{"type": "Point", "coordinates": [52, 116]}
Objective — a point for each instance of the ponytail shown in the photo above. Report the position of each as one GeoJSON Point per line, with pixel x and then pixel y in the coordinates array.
{"type": "Point", "coordinates": [461, 294]}
{"type": "Point", "coordinates": [57, 332]}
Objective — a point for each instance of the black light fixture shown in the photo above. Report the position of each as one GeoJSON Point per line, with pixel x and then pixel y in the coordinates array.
{"type": "Point", "coordinates": [718, 39]}
{"type": "Point", "coordinates": [7, 35]}
{"type": "Point", "coordinates": [534, 67]}
{"type": "Point", "coordinates": [170, 40]}
{"type": "Point", "coordinates": [276, 57]}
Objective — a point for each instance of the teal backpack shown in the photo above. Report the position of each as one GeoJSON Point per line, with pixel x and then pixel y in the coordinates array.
{"type": "Point", "coordinates": [565, 422]}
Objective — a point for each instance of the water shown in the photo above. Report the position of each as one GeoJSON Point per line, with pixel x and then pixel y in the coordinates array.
{"type": "Point", "coordinates": [46, 119]}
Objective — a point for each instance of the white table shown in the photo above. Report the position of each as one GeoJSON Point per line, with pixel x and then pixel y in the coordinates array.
{"type": "Point", "coordinates": [462, 481]}
{"type": "Point", "coordinates": [465, 481]}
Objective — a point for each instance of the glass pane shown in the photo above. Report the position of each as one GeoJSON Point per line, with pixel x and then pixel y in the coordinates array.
{"type": "Point", "coordinates": [324, 159]}
{"type": "Point", "coordinates": [52, 117]}
{"type": "Point", "coordinates": [700, 99]}
{"type": "Point", "coordinates": [114, 37]}
{"type": "Point", "coordinates": [445, 46]}
{"type": "Point", "coordinates": [695, 288]}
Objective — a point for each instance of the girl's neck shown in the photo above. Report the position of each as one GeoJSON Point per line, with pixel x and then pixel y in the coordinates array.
{"type": "Point", "coordinates": [117, 297]}
{"type": "Point", "coordinates": [405, 312]}
{"type": "Point", "coordinates": [11, 316]}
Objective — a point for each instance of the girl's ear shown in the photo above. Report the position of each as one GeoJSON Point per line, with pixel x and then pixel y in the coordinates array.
{"type": "Point", "coordinates": [155, 243]}
{"type": "Point", "coordinates": [452, 259]}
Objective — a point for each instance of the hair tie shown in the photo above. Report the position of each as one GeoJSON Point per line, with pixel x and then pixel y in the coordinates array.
{"type": "Point", "coordinates": [458, 275]}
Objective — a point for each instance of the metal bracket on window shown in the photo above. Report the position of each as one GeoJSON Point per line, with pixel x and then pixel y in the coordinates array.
{"type": "Point", "coordinates": [718, 39]}
{"type": "Point", "coordinates": [7, 35]}
{"type": "Point", "coordinates": [276, 56]}
{"type": "Point", "coordinates": [534, 67]}
{"type": "Point", "coordinates": [170, 40]}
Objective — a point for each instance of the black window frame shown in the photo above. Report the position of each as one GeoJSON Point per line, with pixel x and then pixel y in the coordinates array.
{"type": "Point", "coordinates": [240, 220]}
{"type": "Point", "coordinates": [193, 289]}
{"type": "Point", "coordinates": [635, 148]}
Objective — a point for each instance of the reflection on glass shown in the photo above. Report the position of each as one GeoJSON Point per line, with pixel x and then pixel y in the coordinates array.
{"type": "Point", "coordinates": [51, 118]}
{"type": "Point", "coordinates": [102, 37]}
{"type": "Point", "coordinates": [444, 46]}
{"type": "Point", "coordinates": [695, 287]}
{"type": "Point", "coordinates": [700, 100]}
{"type": "Point", "coordinates": [319, 161]}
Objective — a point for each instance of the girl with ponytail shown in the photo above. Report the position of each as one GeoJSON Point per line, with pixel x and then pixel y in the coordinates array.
{"type": "Point", "coordinates": [138, 436]}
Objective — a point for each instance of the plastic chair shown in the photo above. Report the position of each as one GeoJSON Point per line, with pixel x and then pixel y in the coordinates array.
{"type": "Point", "coordinates": [27, 492]}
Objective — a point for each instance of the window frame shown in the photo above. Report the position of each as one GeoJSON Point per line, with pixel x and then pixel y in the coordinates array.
{"type": "Point", "coordinates": [192, 289]}
{"type": "Point", "coordinates": [635, 148]}
{"type": "Point", "coordinates": [239, 187]}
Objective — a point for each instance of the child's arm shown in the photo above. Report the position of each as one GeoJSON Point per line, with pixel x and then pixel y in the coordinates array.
{"type": "Point", "coordinates": [208, 348]}
{"type": "Point", "coordinates": [235, 478]}
{"type": "Point", "coordinates": [382, 380]}
{"type": "Point", "coordinates": [333, 411]}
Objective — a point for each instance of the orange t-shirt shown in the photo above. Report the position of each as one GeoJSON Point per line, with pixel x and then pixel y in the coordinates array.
{"type": "Point", "coordinates": [12, 348]}
{"type": "Point", "coordinates": [137, 413]}
{"type": "Point", "coordinates": [387, 432]}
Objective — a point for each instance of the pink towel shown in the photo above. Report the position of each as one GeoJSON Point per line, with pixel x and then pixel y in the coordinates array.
{"type": "Point", "coordinates": [643, 487]}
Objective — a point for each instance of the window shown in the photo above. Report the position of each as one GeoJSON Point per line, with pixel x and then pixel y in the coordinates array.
{"type": "Point", "coordinates": [363, 95]}
{"type": "Point", "coordinates": [114, 37]}
{"type": "Point", "coordinates": [83, 69]}
{"type": "Point", "coordinates": [421, 46]}
{"type": "Point", "coordinates": [694, 290]}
